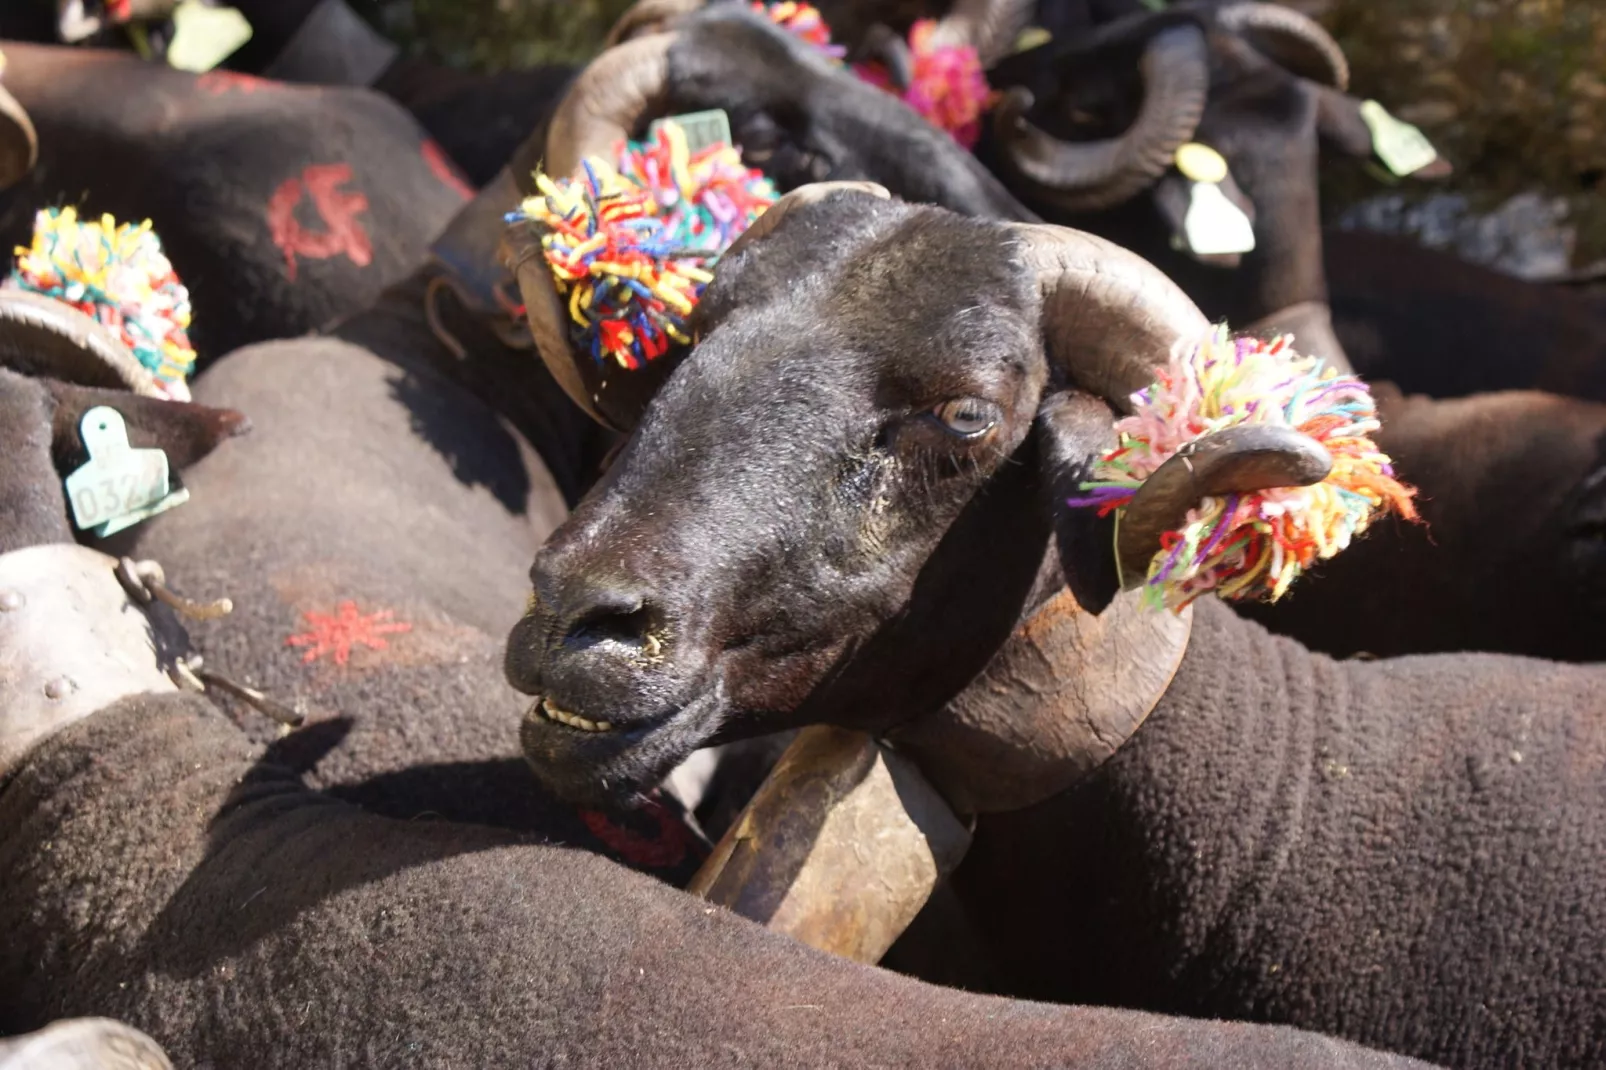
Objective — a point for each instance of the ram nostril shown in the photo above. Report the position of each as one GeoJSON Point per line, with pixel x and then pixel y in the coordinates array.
{"type": "Point", "coordinates": [610, 616]}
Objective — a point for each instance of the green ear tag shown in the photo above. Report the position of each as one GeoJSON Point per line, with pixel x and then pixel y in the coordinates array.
{"type": "Point", "coordinates": [703, 128]}
{"type": "Point", "coordinates": [1214, 226]}
{"type": "Point", "coordinates": [1403, 148]}
{"type": "Point", "coordinates": [118, 486]}
{"type": "Point", "coordinates": [205, 36]}
{"type": "Point", "coordinates": [1032, 37]}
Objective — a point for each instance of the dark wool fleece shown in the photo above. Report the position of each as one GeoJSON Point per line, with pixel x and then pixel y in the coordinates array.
{"type": "Point", "coordinates": [280, 206]}
{"type": "Point", "coordinates": [384, 506]}
{"type": "Point", "coordinates": [160, 872]}
{"type": "Point", "coordinates": [1408, 853]}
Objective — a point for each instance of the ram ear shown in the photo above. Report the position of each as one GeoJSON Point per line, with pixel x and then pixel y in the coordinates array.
{"type": "Point", "coordinates": [185, 431]}
{"type": "Point", "coordinates": [1340, 126]}
{"type": "Point", "coordinates": [1073, 428]}
{"type": "Point", "coordinates": [1173, 195]}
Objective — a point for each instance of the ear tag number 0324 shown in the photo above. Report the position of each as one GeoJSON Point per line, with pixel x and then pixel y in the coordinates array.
{"type": "Point", "coordinates": [118, 486]}
{"type": "Point", "coordinates": [1403, 148]}
{"type": "Point", "coordinates": [1213, 225]}
{"type": "Point", "coordinates": [702, 128]}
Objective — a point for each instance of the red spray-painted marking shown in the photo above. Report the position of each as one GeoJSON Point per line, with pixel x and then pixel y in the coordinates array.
{"type": "Point", "coordinates": [336, 633]}
{"type": "Point", "coordinates": [219, 82]}
{"type": "Point", "coordinates": [444, 168]}
{"type": "Point", "coordinates": [336, 207]}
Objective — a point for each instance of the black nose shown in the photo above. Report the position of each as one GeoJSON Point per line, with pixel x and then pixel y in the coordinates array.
{"type": "Point", "coordinates": [597, 612]}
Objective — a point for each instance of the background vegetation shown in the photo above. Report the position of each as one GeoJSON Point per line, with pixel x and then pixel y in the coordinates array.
{"type": "Point", "coordinates": [1512, 91]}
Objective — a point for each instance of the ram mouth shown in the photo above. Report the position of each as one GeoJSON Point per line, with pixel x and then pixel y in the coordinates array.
{"type": "Point", "coordinates": [551, 711]}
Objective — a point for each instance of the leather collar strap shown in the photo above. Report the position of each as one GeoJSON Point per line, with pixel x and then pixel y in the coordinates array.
{"type": "Point", "coordinates": [468, 247]}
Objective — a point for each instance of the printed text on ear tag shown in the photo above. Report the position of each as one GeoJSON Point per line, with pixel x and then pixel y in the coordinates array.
{"type": "Point", "coordinates": [702, 128]}
{"type": "Point", "coordinates": [118, 486]}
{"type": "Point", "coordinates": [205, 36]}
{"type": "Point", "coordinates": [1403, 148]}
{"type": "Point", "coordinates": [1214, 226]}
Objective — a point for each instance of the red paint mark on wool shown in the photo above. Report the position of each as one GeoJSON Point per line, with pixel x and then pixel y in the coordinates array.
{"type": "Point", "coordinates": [219, 82]}
{"type": "Point", "coordinates": [444, 169]}
{"type": "Point", "coordinates": [338, 632]}
{"type": "Point", "coordinates": [337, 208]}
{"type": "Point", "coordinates": [661, 852]}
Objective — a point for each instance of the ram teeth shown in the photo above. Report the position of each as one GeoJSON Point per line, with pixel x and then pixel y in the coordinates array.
{"type": "Point", "coordinates": [573, 720]}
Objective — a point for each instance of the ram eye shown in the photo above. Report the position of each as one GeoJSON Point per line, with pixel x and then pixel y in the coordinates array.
{"type": "Point", "coordinates": [967, 417]}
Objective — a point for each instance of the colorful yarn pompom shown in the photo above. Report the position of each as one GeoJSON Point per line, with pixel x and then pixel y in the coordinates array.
{"type": "Point", "coordinates": [948, 88]}
{"type": "Point", "coordinates": [631, 245]}
{"type": "Point", "coordinates": [803, 20]}
{"type": "Point", "coordinates": [1250, 546]}
{"type": "Point", "coordinates": [118, 275]}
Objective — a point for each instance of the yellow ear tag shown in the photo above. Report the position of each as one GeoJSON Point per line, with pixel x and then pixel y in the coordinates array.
{"type": "Point", "coordinates": [1214, 226]}
{"type": "Point", "coordinates": [205, 36]}
{"type": "Point", "coordinates": [1403, 148]}
{"type": "Point", "coordinates": [1201, 163]}
{"type": "Point", "coordinates": [118, 486]}
{"type": "Point", "coordinates": [1032, 37]}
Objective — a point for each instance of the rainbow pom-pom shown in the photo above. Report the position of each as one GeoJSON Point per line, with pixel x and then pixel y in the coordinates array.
{"type": "Point", "coordinates": [1251, 546]}
{"type": "Point", "coordinates": [631, 245]}
{"type": "Point", "coordinates": [949, 88]}
{"type": "Point", "coordinates": [805, 21]}
{"type": "Point", "coordinates": [118, 275]}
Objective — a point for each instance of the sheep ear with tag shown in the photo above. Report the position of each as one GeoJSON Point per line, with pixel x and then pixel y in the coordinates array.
{"type": "Point", "coordinates": [1366, 131]}
{"type": "Point", "coordinates": [1210, 216]}
{"type": "Point", "coordinates": [1403, 148]}
{"type": "Point", "coordinates": [122, 451]}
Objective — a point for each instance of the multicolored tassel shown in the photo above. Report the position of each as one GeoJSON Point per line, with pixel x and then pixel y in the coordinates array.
{"type": "Point", "coordinates": [631, 245]}
{"type": "Point", "coordinates": [1250, 546]}
{"type": "Point", "coordinates": [948, 86]}
{"type": "Point", "coordinates": [118, 275]}
{"type": "Point", "coordinates": [802, 20]}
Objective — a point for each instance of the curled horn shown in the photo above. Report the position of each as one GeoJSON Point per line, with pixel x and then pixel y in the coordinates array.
{"type": "Point", "coordinates": [607, 101]}
{"type": "Point", "coordinates": [884, 45]}
{"type": "Point", "coordinates": [19, 143]}
{"type": "Point", "coordinates": [45, 337]}
{"type": "Point", "coordinates": [1110, 319]}
{"type": "Point", "coordinates": [808, 194]}
{"type": "Point", "coordinates": [1237, 460]}
{"type": "Point", "coordinates": [1088, 176]}
{"type": "Point", "coordinates": [1293, 40]}
{"type": "Point", "coordinates": [604, 105]}
{"type": "Point", "coordinates": [649, 16]}
{"type": "Point", "coordinates": [991, 27]}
